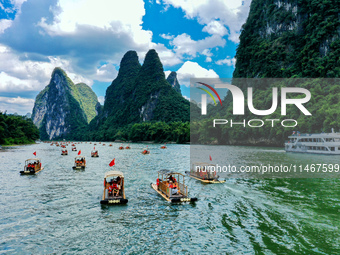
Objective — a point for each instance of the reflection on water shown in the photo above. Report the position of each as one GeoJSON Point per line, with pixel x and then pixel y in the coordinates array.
{"type": "Point", "coordinates": [58, 210]}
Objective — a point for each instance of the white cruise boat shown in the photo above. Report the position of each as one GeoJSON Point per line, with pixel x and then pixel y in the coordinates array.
{"type": "Point", "coordinates": [324, 143]}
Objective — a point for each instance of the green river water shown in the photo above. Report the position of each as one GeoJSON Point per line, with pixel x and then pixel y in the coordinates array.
{"type": "Point", "coordinates": [58, 211]}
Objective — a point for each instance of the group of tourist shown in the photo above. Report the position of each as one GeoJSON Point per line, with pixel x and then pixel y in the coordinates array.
{"type": "Point", "coordinates": [33, 166]}
{"type": "Point", "coordinates": [80, 162]}
{"type": "Point", "coordinates": [114, 188]}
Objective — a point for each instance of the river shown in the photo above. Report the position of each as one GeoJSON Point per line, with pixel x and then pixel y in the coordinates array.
{"type": "Point", "coordinates": [58, 211]}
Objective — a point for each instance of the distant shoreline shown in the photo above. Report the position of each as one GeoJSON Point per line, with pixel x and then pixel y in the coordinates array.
{"type": "Point", "coordinates": [14, 145]}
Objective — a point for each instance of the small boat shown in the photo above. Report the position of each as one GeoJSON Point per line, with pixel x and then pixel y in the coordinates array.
{"type": "Point", "coordinates": [171, 186]}
{"type": "Point", "coordinates": [110, 145]}
{"type": "Point", "coordinates": [74, 149]}
{"type": "Point", "coordinates": [64, 152]}
{"type": "Point", "coordinates": [146, 151]}
{"type": "Point", "coordinates": [79, 163]}
{"type": "Point", "coordinates": [32, 166]}
{"type": "Point", "coordinates": [121, 147]}
{"type": "Point", "coordinates": [94, 154]}
{"type": "Point", "coordinates": [163, 147]}
{"type": "Point", "coordinates": [204, 172]}
{"type": "Point", "coordinates": [114, 192]}
{"type": "Point", "coordinates": [128, 147]}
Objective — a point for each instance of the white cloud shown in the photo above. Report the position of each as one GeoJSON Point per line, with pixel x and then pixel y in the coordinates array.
{"type": "Point", "coordinates": [18, 3]}
{"type": "Point", "coordinates": [111, 16]}
{"type": "Point", "coordinates": [193, 70]}
{"type": "Point", "coordinates": [215, 27]}
{"type": "Point", "coordinates": [208, 54]}
{"type": "Point", "coordinates": [4, 24]}
{"type": "Point", "coordinates": [167, 73]}
{"type": "Point", "coordinates": [10, 84]}
{"type": "Point", "coordinates": [106, 73]}
{"type": "Point", "coordinates": [18, 74]}
{"type": "Point", "coordinates": [76, 35]}
{"type": "Point", "coordinates": [184, 46]}
{"type": "Point", "coordinates": [187, 98]}
{"type": "Point", "coordinates": [167, 36]}
{"type": "Point", "coordinates": [15, 6]}
{"type": "Point", "coordinates": [101, 100]}
{"type": "Point", "coordinates": [228, 61]}
{"type": "Point", "coordinates": [167, 57]}
{"type": "Point", "coordinates": [215, 14]}
{"type": "Point", "coordinates": [19, 105]}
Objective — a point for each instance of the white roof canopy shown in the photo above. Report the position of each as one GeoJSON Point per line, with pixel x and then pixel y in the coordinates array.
{"type": "Point", "coordinates": [113, 173]}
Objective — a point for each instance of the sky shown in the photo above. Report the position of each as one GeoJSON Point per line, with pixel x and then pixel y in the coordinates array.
{"type": "Point", "coordinates": [88, 38]}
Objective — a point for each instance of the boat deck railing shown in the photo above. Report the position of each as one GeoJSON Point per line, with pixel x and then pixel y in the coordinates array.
{"type": "Point", "coordinates": [183, 189]}
{"type": "Point", "coordinates": [163, 186]}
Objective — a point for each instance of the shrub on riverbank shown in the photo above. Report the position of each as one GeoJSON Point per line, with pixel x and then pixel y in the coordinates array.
{"type": "Point", "coordinates": [16, 129]}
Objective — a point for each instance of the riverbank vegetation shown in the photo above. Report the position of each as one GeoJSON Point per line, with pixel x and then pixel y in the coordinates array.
{"type": "Point", "coordinates": [159, 131]}
{"type": "Point", "coordinates": [16, 129]}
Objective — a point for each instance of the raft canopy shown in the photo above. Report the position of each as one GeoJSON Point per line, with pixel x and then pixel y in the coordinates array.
{"type": "Point", "coordinates": [32, 160]}
{"type": "Point", "coordinates": [168, 172]}
{"type": "Point", "coordinates": [113, 174]}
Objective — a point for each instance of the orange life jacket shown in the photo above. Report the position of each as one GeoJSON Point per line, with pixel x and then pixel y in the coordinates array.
{"type": "Point", "coordinates": [112, 187]}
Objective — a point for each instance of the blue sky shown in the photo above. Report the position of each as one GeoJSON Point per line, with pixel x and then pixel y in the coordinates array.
{"type": "Point", "coordinates": [88, 38]}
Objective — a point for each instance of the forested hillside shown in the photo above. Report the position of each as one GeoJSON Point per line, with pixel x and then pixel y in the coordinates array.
{"type": "Point", "coordinates": [17, 130]}
{"type": "Point", "coordinates": [283, 39]}
{"type": "Point", "coordinates": [62, 109]}
{"type": "Point", "coordinates": [140, 98]}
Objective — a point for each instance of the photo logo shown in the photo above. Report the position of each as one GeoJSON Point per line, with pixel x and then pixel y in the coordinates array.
{"type": "Point", "coordinates": [204, 97]}
{"type": "Point", "coordinates": [239, 99]}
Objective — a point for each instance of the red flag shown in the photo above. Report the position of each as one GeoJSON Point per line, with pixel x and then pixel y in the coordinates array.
{"type": "Point", "coordinates": [112, 163]}
{"type": "Point", "coordinates": [35, 153]}
{"type": "Point", "coordinates": [79, 152]}
{"type": "Point", "coordinates": [94, 148]}
{"type": "Point", "coordinates": [210, 158]}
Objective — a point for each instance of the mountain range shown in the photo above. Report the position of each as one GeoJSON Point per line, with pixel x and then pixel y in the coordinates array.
{"type": "Point", "coordinates": [62, 109]}
{"type": "Point", "coordinates": [139, 93]}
